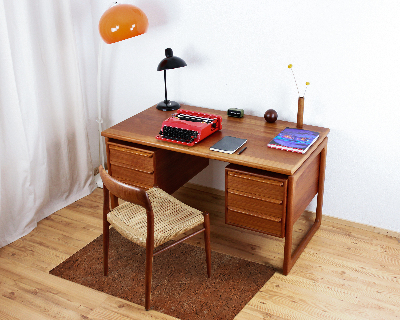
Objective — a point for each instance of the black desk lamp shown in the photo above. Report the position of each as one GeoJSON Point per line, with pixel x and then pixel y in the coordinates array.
{"type": "Point", "coordinates": [169, 62]}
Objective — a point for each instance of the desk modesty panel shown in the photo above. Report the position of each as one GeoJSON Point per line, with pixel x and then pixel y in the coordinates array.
{"type": "Point", "coordinates": [144, 126]}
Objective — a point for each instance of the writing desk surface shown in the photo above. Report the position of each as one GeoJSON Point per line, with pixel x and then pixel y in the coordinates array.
{"type": "Point", "coordinates": [144, 126]}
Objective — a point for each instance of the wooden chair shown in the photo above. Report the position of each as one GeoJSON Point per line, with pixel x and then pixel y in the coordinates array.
{"type": "Point", "coordinates": [149, 219]}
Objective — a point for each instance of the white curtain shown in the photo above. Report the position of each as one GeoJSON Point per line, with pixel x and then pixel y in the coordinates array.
{"type": "Point", "coordinates": [45, 161]}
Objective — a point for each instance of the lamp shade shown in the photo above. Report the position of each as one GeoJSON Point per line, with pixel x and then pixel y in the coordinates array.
{"type": "Point", "coordinates": [170, 61]}
{"type": "Point", "coordinates": [122, 21]}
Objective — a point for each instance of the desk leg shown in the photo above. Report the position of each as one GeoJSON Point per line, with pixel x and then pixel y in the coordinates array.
{"type": "Point", "coordinates": [289, 259]}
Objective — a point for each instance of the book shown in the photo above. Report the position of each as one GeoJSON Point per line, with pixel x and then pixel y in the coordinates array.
{"type": "Point", "coordinates": [294, 140]}
{"type": "Point", "coordinates": [228, 144]}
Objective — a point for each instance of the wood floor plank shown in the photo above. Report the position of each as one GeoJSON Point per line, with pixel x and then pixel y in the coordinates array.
{"type": "Point", "coordinates": [81, 216]}
{"type": "Point", "coordinates": [346, 272]}
{"type": "Point", "coordinates": [290, 306]}
{"type": "Point", "coordinates": [6, 316]}
{"type": "Point", "coordinates": [46, 304]}
{"type": "Point", "coordinates": [115, 308]}
{"type": "Point", "coordinates": [14, 310]}
{"type": "Point", "coordinates": [26, 257]}
{"type": "Point", "coordinates": [40, 252]}
{"type": "Point", "coordinates": [75, 293]}
{"type": "Point", "coordinates": [350, 299]}
{"type": "Point", "coordinates": [76, 229]}
{"type": "Point", "coordinates": [55, 236]}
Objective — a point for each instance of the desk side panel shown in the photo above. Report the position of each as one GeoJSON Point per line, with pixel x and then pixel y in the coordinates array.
{"type": "Point", "coordinates": [306, 182]}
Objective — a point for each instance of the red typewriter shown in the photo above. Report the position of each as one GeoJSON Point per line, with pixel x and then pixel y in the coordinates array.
{"type": "Point", "coordinates": [189, 127]}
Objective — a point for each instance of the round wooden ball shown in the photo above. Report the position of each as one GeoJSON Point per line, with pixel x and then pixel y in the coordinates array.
{"type": "Point", "coordinates": [270, 115]}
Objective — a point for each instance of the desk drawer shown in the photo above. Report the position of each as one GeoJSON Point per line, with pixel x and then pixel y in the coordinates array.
{"type": "Point", "coordinates": [255, 199]}
{"type": "Point", "coordinates": [130, 157]}
{"type": "Point", "coordinates": [268, 208]}
{"type": "Point", "coordinates": [252, 221]}
{"type": "Point", "coordinates": [262, 186]}
{"type": "Point", "coordinates": [133, 177]}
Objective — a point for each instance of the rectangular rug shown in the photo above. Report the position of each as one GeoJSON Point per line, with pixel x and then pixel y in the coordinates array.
{"type": "Point", "coordinates": [180, 285]}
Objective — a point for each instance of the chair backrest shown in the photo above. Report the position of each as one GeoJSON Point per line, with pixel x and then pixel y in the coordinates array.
{"type": "Point", "coordinates": [124, 191]}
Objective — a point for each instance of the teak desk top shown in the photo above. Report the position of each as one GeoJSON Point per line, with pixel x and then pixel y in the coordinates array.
{"type": "Point", "coordinates": [144, 126]}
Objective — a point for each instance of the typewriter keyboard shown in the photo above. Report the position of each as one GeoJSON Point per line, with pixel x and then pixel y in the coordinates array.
{"type": "Point", "coordinates": [178, 134]}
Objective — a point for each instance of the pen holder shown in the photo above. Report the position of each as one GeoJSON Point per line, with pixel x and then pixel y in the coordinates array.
{"type": "Point", "coordinates": [300, 112]}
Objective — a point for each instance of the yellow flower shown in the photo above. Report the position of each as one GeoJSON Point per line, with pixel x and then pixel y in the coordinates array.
{"type": "Point", "coordinates": [307, 83]}
{"type": "Point", "coordinates": [289, 66]}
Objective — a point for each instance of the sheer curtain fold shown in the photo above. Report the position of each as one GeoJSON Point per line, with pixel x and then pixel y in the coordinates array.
{"type": "Point", "coordinates": [45, 159]}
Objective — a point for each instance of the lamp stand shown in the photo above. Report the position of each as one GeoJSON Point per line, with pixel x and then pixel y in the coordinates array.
{"type": "Point", "coordinates": [167, 105]}
{"type": "Point", "coordinates": [99, 119]}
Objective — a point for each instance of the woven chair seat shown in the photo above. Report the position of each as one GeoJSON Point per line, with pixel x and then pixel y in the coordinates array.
{"type": "Point", "coordinates": [171, 218]}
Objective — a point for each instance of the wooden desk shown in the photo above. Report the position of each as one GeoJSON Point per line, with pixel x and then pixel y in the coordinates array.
{"type": "Point", "coordinates": [135, 156]}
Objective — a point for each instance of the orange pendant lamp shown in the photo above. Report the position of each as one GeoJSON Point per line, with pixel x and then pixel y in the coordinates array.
{"type": "Point", "coordinates": [122, 21]}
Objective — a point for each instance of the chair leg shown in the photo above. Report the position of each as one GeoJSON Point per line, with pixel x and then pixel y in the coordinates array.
{"type": "Point", "coordinates": [207, 242]}
{"type": "Point", "coordinates": [148, 275]}
{"type": "Point", "coordinates": [106, 244]}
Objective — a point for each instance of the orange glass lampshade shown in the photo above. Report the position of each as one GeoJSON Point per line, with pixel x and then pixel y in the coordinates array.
{"type": "Point", "coordinates": [122, 21]}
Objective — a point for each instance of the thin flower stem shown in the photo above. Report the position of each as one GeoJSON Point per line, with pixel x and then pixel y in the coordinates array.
{"type": "Point", "coordinates": [295, 82]}
{"type": "Point", "coordinates": [307, 84]}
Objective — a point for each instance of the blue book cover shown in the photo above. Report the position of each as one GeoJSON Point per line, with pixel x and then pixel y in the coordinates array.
{"type": "Point", "coordinates": [294, 140]}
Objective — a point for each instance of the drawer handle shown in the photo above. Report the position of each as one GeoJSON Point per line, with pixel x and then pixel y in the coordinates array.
{"type": "Point", "coordinates": [138, 152]}
{"type": "Point", "coordinates": [256, 215]}
{"type": "Point", "coordinates": [257, 198]}
{"type": "Point", "coordinates": [275, 183]}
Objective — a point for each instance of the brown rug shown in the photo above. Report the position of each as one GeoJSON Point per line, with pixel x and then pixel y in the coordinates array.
{"type": "Point", "coordinates": [180, 286]}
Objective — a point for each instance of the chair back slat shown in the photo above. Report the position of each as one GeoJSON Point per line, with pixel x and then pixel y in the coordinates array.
{"type": "Point", "coordinates": [124, 191]}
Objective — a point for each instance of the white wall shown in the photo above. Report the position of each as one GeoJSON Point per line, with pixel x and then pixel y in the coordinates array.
{"type": "Point", "coordinates": [237, 54]}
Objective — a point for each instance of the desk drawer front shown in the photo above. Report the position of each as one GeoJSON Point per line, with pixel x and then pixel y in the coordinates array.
{"type": "Point", "coordinates": [134, 158]}
{"type": "Point", "coordinates": [247, 220]}
{"type": "Point", "coordinates": [263, 187]}
{"type": "Point", "coordinates": [133, 177]}
{"type": "Point", "coordinates": [267, 208]}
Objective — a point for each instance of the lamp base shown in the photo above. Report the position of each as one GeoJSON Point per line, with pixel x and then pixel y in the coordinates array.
{"type": "Point", "coordinates": [168, 105]}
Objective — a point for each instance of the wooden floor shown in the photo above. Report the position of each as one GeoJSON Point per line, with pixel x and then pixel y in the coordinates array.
{"type": "Point", "coordinates": [344, 273]}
